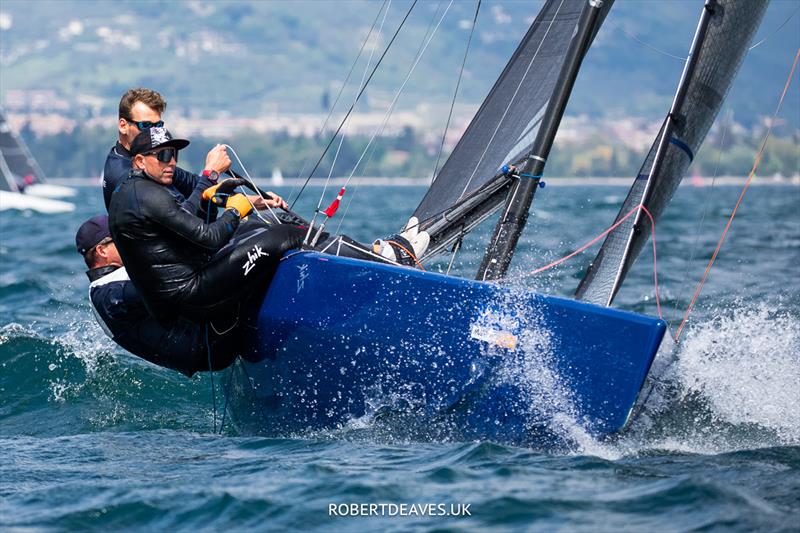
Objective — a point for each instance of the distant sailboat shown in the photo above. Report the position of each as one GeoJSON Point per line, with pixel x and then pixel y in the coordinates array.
{"type": "Point", "coordinates": [22, 182]}
{"type": "Point", "coordinates": [277, 176]}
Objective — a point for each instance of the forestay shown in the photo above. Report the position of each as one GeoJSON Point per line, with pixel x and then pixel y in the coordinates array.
{"type": "Point", "coordinates": [730, 29]}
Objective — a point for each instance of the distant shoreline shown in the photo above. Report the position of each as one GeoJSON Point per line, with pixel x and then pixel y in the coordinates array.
{"type": "Point", "coordinates": [424, 182]}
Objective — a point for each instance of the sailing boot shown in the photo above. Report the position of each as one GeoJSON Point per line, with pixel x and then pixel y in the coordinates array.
{"type": "Point", "coordinates": [406, 247]}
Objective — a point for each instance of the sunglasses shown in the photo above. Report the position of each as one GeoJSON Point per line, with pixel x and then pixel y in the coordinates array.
{"type": "Point", "coordinates": [165, 155]}
{"type": "Point", "coordinates": [145, 124]}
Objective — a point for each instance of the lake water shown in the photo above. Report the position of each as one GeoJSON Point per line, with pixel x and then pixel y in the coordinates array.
{"type": "Point", "coordinates": [93, 438]}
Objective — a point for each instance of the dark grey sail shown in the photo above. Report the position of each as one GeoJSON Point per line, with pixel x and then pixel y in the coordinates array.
{"type": "Point", "coordinates": [724, 42]}
{"type": "Point", "coordinates": [469, 186]}
{"type": "Point", "coordinates": [16, 162]}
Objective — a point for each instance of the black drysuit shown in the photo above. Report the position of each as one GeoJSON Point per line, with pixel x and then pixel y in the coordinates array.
{"type": "Point", "coordinates": [181, 264]}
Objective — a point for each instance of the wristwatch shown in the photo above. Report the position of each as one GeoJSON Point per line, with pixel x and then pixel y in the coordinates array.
{"type": "Point", "coordinates": [212, 175]}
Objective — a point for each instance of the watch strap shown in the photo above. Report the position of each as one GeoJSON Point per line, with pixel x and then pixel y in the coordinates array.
{"type": "Point", "coordinates": [212, 175]}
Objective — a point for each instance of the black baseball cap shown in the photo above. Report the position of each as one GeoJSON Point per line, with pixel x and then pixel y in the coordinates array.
{"type": "Point", "coordinates": [154, 138]}
{"type": "Point", "coordinates": [91, 233]}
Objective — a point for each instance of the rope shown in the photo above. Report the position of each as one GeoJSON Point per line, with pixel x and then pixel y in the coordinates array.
{"type": "Point", "coordinates": [253, 183]}
{"type": "Point", "coordinates": [706, 205]}
{"type": "Point", "coordinates": [213, 387]}
{"type": "Point", "coordinates": [739, 201]}
{"type": "Point", "coordinates": [603, 234]}
{"type": "Point", "coordinates": [225, 405]}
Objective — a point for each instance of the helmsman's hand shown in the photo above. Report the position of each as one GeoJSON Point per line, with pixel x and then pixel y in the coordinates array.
{"type": "Point", "coordinates": [240, 203]}
{"type": "Point", "coordinates": [217, 159]}
{"type": "Point", "coordinates": [224, 187]}
{"type": "Point", "coordinates": [275, 202]}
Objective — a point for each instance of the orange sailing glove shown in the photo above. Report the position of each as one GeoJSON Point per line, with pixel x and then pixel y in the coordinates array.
{"type": "Point", "coordinates": [225, 186]}
{"type": "Point", "coordinates": [240, 203]}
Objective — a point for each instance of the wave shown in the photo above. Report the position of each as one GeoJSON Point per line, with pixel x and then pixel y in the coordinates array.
{"type": "Point", "coordinates": [730, 386]}
{"type": "Point", "coordinates": [79, 381]}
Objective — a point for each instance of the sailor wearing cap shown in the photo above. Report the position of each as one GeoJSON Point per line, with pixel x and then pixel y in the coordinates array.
{"type": "Point", "coordinates": [121, 312]}
{"type": "Point", "coordinates": [169, 249]}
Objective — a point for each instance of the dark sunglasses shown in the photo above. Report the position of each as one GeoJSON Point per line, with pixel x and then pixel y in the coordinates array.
{"type": "Point", "coordinates": [145, 124]}
{"type": "Point", "coordinates": [165, 155]}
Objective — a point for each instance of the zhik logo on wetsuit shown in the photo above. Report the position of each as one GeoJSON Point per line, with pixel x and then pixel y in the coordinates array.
{"type": "Point", "coordinates": [252, 257]}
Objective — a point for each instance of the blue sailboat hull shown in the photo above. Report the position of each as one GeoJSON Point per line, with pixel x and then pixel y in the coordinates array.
{"type": "Point", "coordinates": [340, 341]}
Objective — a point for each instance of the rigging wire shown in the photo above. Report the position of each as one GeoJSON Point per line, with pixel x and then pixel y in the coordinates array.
{"type": "Point", "coordinates": [776, 29]}
{"type": "Point", "coordinates": [456, 248]}
{"type": "Point", "coordinates": [347, 115]}
{"type": "Point", "coordinates": [420, 52]}
{"type": "Point", "coordinates": [706, 204]}
{"type": "Point", "coordinates": [372, 154]}
{"type": "Point", "coordinates": [341, 89]}
{"type": "Point", "coordinates": [739, 201]}
{"type": "Point", "coordinates": [511, 101]}
{"type": "Point", "coordinates": [650, 46]}
{"type": "Point", "coordinates": [455, 93]}
{"type": "Point", "coordinates": [344, 132]}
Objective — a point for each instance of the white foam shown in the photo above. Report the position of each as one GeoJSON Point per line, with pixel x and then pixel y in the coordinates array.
{"type": "Point", "coordinates": [733, 384]}
{"type": "Point", "coordinates": [746, 367]}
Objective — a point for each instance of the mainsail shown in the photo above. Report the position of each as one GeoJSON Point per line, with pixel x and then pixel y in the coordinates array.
{"type": "Point", "coordinates": [16, 162]}
{"type": "Point", "coordinates": [469, 186]}
{"type": "Point", "coordinates": [719, 48]}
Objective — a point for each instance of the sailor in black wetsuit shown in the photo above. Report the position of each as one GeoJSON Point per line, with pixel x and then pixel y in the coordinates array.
{"type": "Point", "coordinates": [182, 265]}
{"type": "Point", "coordinates": [171, 253]}
{"type": "Point", "coordinates": [139, 109]}
{"type": "Point", "coordinates": [121, 312]}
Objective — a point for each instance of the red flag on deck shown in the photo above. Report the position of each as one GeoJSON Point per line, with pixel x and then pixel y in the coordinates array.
{"type": "Point", "coordinates": [331, 210]}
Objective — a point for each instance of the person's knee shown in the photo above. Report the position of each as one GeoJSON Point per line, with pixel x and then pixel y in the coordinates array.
{"type": "Point", "coordinates": [283, 238]}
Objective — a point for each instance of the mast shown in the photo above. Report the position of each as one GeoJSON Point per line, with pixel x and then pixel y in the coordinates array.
{"type": "Point", "coordinates": [500, 251]}
{"type": "Point", "coordinates": [673, 118]}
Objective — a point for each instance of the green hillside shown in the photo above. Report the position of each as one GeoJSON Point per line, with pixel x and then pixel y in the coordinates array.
{"type": "Point", "coordinates": [255, 58]}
